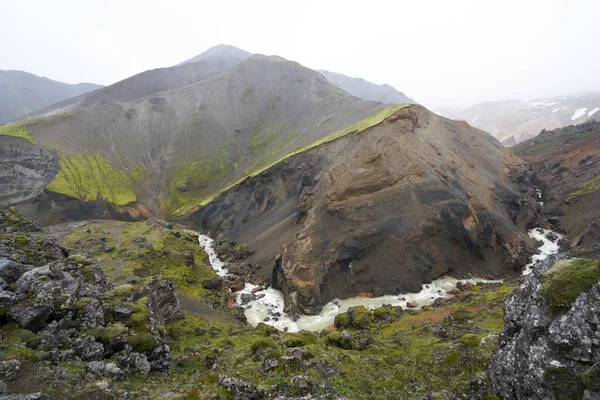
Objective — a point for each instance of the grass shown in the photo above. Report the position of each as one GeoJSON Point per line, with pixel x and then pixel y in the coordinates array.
{"type": "Point", "coordinates": [405, 360]}
{"type": "Point", "coordinates": [16, 130]}
{"type": "Point", "coordinates": [259, 168]}
{"type": "Point", "coordinates": [91, 177]}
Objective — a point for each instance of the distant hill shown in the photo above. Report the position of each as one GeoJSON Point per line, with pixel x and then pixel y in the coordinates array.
{"type": "Point", "coordinates": [513, 121]}
{"type": "Point", "coordinates": [366, 90]}
{"type": "Point", "coordinates": [22, 93]}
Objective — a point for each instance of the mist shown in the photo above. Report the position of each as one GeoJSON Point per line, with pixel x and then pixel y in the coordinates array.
{"type": "Point", "coordinates": [442, 54]}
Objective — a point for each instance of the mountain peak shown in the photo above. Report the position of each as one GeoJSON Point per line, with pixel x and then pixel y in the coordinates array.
{"type": "Point", "coordinates": [220, 51]}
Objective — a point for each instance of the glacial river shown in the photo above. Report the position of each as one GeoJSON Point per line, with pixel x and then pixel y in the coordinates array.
{"type": "Point", "coordinates": [268, 304]}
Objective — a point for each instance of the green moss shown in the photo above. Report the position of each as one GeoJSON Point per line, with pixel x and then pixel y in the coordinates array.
{"type": "Point", "coordinates": [81, 303]}
{"type": "Point", "coordinates": [263, 343]}
{"type": "Point", "coordinates": [567, 279]}
{"type": "Point", "coordinates": [120, 292]}
{"type": "Point", "coordinates": [342, 320]}
{"type": "Point", "coordinates": [13, 335]}
{"type": "Point", "coordinates": [16, 130]}
{"type": "Point", "coordinates": [20, 353]}
{"type": "Point", "coordinates": [112, 331]}
{"type": "Point", "coordinates": [91, 177]}
{"type": "Point", "coordinates": [565, 384]}
{"type": "Point", "coordinates": [141, 342]}
{"type": "Point", "coordinates": [140, 315]}
{"type": "Point", "coordinates": [470, 340]}
{"type": "Point", "coordinates": [586, 187]}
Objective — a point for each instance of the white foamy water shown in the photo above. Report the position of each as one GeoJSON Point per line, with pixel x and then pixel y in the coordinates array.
{"type": "Point", "coordinates": [548, 247]}
{"type": "Point", "coordinates": [268, 304]}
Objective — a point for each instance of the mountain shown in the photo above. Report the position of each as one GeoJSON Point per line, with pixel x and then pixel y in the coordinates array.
{"type": "Point", "coordinates": [567, 163]}
{"type": "Point", "coordinates": [366, 90]}
{"type": "Point", "coordinates": [223, 52]}
{"type": "Point", "coordinates": [407, 200]}
{"type": "Point", "coordinates": [166, 140]}
{"type": "Point", "coordinates": [270, 153]}
{"type": "Point", "coordinates": [513, 121]}
{"type": "Point", "coordinates": [22, 93]}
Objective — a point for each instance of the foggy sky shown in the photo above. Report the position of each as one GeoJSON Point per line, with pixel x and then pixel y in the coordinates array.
{"type": "Point", "coordinates": [441, 53]}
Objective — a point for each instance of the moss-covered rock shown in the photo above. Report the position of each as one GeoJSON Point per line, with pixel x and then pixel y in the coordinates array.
{"type": "Point", "coordinates": [141, 342]}
{"type": "Point", "coordinates": [567, 279]}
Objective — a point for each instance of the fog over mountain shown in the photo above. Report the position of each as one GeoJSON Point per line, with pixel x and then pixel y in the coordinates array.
{"type": "Point", "coordinates": [442, 54]}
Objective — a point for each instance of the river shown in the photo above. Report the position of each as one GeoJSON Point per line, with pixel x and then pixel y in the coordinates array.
{"type": "Point", "coordinates": [268, 304]}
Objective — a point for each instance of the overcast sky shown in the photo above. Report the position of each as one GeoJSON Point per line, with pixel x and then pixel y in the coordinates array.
{"type": "Point", "coordinates": [441, 53]}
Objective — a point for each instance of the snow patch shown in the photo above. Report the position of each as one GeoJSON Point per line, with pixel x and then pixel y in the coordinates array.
{"type": "Point", "coordinates": [578, 113]}
{"type": "Point", "coordinates": [593, 112]}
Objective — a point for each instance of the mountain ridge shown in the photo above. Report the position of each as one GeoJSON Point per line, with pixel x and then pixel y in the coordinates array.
{"type": "Point", "coordinates": [24, 93]}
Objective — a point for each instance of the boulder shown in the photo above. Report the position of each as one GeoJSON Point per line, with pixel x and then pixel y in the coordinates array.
{"type": "Point", "coordinates": [213, 283]}
{"type": "Point", "coordinates": [162, 301]}
{"type": "Point", "coordinates": [240, 390]}
{"type": "Point", "coordinates": [23, 283]}
{"type": "Point", "coordinates": [87, 348]}
{"type": "Point", "coordinates": [132, 362]}
{"type": "Point", "coordinates": [7, 298]}
{"type": "Point", "coordinates": [104, 369]}
{"type": "Point", "coordinates": [10, 271]}
{"type": "Point", "coordinates": [29, 316]}
{"type": "Point", "coordinates": [9, 369]}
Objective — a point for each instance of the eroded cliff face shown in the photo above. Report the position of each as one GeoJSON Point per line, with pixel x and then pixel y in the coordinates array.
{"type": "Point", "coordinates": [384, 211]}
{"type": "Point", "coordinates": [25, 169]}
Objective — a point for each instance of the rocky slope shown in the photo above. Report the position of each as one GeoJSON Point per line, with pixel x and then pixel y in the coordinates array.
{"type": "Point", "coordinates": [22, 93]}
{"type": "Point", "coordinates": [567, 163]}
{"type": "Point", "coordinates": [514, 121]}
{"type": "Point", "coordinates": [381, 211]}
{"type": "Point", "coordinates": [366, 90]}
{"type": "Point", "coordinates": [549, 346]}
{"type": "Point", "coordinates": [166, 140]}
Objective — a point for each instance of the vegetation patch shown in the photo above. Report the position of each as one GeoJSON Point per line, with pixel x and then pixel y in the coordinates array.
{"type": "Point", "coordinates": [567, 279]}
{"type": "Point", "coordinates": [188, 181]}
{"type": "Point", "coordinates": [91, 177]}
{"type": "Point", "coordinates": [264, 137]}
{"type": "Point", "coordinates": [16, 130]}
{"type": "Point", "coordinates": [586, 187]}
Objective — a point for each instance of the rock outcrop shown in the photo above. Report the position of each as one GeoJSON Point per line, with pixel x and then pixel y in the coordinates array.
{"type": "Point", "coordinates": [385, 210]}
{"type": "Point", "coordinates": [25, 169]}
{"type": "Point", "coordinates": [550, 345]}
{"type": "Point", "coordinates": [68, 309]}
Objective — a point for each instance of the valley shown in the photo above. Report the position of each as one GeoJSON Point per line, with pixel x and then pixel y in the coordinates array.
{"type": "Point", "coordinates": [239, 226]}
